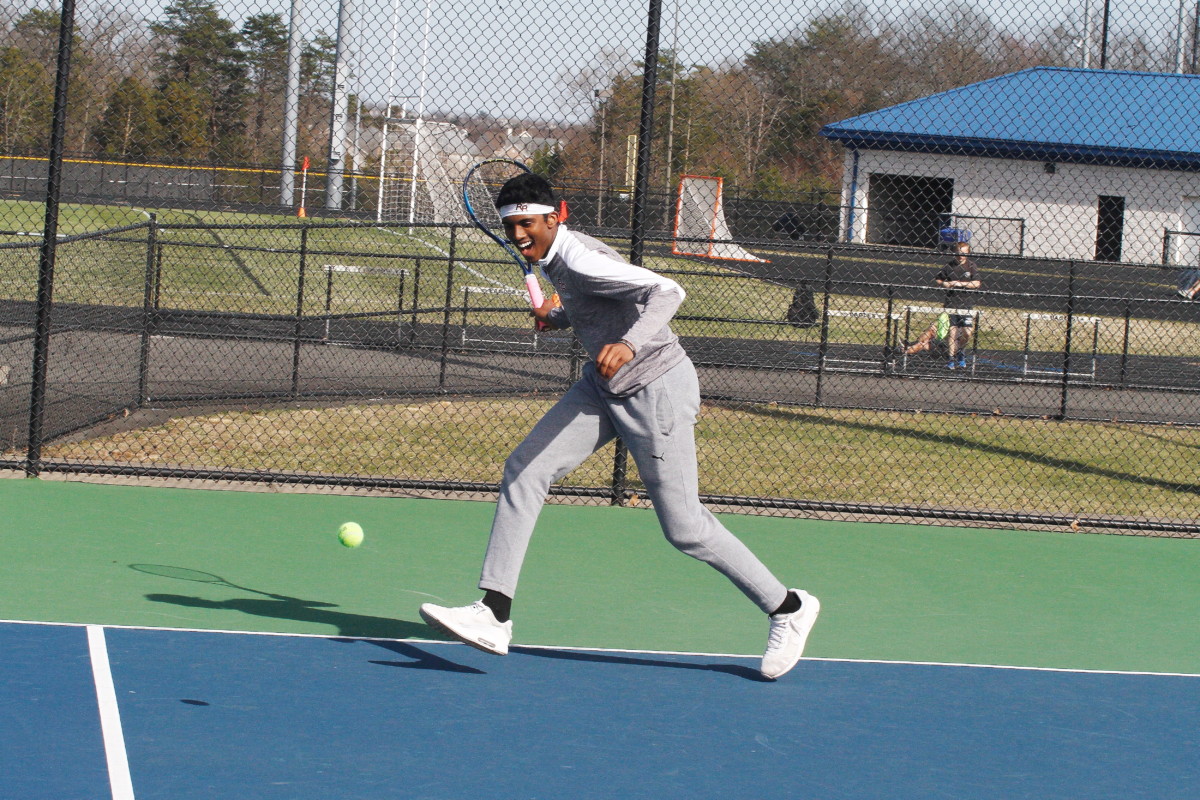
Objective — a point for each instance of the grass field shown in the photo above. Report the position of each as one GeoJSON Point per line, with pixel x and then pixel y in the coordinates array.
{"type": "Point", "coordinates": [977, 462]}
{"type": "Point", "coordinates": [246, 263]}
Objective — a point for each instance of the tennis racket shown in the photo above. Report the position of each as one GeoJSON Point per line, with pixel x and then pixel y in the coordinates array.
{"type": "Point", "coordinates": [480, 186]}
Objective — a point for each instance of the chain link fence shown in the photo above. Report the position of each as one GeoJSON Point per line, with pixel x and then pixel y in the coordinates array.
{"type": "Point", "coordinates": [232, 246]}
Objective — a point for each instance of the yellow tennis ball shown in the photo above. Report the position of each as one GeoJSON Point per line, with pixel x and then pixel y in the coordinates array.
{"type": "Point", "coordinates": [350, 534]}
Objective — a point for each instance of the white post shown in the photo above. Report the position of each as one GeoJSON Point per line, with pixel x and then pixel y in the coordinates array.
{"type": "Point", "coordinates": [1179, 25]}
{"type": "Point", "coordinates": [671, 110]}
{"type": "Point", "coordinates": [412, 188]}
{"type": "Point", "coordinates": [291, 106]}
{"type": "Point", "coordinates": [387, 114]}
{"type": "Point", "coordinates": [337, 111]}
{"type": "Point", "coordinates": [354, 165]}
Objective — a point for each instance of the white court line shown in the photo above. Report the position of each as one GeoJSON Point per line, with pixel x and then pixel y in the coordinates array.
{"type": "Point", "coordinates": [570, 648]}
{"type": "Point", "coordinates": [110, 716]}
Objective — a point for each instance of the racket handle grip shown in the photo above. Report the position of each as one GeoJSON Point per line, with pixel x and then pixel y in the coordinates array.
{"type": "Point", "coordinates": [536, 298]}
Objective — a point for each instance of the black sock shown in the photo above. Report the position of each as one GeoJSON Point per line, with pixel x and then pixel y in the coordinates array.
{"type": "Point", "coordinates": [501, 605]}
{"type": "Point", "coordinates": [790, 605]}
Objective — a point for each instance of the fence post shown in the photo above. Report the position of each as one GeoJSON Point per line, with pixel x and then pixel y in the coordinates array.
{"type": "Point", "coordinates": [45, 293]}
{"type": "Point", "coordinates": [1066, 376]}
{"type": "Point", "coordinates": [416, 298]}
{"type": "Point", "coordinates": [1125, 345]}
{"type": "Point", "coordinates": [823, 348]}
{"type": "Point", "coordinates": [620, 474]}
{"type": "Point", "coordinates": [298, 329]}
{"type": "Point", "coordinates": [889, 340]}
{"type": "Point", "coordinates": [149, 295]}
{"type": "Point", "coordinates": [446, 313]}
{"type": "Point", "coordinates": [641, 189]}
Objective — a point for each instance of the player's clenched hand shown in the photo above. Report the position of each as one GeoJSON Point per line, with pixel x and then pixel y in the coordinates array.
{"type": "Point", "coordinates": [612, 357]}
{"type": "Point", "coordinates": [542, 313]}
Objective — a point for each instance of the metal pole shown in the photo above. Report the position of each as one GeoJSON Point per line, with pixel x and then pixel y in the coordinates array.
{"type": "Point", "coordinates": [45, 295]}
{"type": "Point", "coordinates": [600, 191]}
{"type": "Point", "coordinates": [449, 299]}
{"type": "Point", "coordinates": [298, 327]}
{"type": "Point", "coordinates": [1066, 363]}
{"type": "Point", "coordinates": [149, 292]}
{"type": "Point", "coordinates": [1086, 41]}
{"type": "Point", "coordinates": [1195, 38]}
{"type": "Point", "coordinates": [823, 347]}
{"type": "Point", "coordinates": [641, 190]}
{"type": "Point", "coordinates": [1179, 25]}
{"type": "Point", "coordinates": [1104, 36]}
{"type": "Point", "coordinates": [354, 165]}
{"type": "Point", "coordinates": [387, 114]}
{"type": "Point", "coordinates": [337, 107]}
{"type": "Point", "coordinates": [671, 116]}
{"type": "Point", "coordinates": [291, 107]}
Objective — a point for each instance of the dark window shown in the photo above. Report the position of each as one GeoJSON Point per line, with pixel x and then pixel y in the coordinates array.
{"type": "Point", "coordinates": [907, 210]}
{"type": "Point", "coordinates": [1110, 225]}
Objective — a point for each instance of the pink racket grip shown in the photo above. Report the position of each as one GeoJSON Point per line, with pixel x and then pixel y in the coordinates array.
{"type": "Point", "coordinates": [536, 298]}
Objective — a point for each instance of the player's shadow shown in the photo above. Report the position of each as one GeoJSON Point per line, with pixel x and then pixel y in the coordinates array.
{"type": "Point", "coordinates": [421, 658]}
{"type": "Point", "coordinates": [642, 661]}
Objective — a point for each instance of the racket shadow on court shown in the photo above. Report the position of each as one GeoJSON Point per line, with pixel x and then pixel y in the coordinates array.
{"type": "Point", "coordinates": [278, 606]}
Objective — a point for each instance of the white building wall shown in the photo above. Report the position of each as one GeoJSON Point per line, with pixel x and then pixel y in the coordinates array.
{"type": "Point", "coordinates": [1059, 209]}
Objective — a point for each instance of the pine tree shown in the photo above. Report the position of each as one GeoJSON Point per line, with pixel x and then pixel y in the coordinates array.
{"type": "Point", "coordinates": [129, 127]}
{"type": "Point", "coordinates": [264, 42]}
{"type": "Point", "coordinates": [203, 67]}
{"type": "Point", "coordinates": [26, 92]}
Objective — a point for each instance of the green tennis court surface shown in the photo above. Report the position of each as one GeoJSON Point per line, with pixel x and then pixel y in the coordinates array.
{"type": "Point", "coordinates": [596, 577]}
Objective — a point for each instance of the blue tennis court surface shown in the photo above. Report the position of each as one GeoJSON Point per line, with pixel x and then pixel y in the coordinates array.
{"type": "Point", "coordinates": [219, 715]}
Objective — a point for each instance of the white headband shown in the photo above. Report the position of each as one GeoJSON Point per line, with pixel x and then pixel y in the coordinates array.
{"type": "Point", "coordinates": [525, 208]}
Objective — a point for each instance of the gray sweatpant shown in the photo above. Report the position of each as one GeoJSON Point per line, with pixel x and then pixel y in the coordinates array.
{"type": "Point", "coordinates": [657, 425]}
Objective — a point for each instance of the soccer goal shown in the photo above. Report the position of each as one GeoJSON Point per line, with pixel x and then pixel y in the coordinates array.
{"type": "Point", "coordinates": [700, 226]}
{"type": "Point", "coordinates": [420, 169]}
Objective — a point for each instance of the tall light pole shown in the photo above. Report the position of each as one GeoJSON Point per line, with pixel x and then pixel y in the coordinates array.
{"type": "Point", "coordinates": [354, 164]}
{"type": "Point", "coordinates": [603, 108]}
{"type": "Point", "coordinates": [1104, 35]}
{"type": "Point", "coordinates": [291, 107]}
{"type": "Point", "coordinates": [1086, 41]}
{"type": "Point", "coordinates": [1180, 24]}
{"type": "Point", "coordinates": [671, 114]}
{"type": "Point", "coordinates": [1195, 38]}
{"type": "Point", "coordinates": [337, 112]}
{"type": "Point", "coordinates": [387, 113]}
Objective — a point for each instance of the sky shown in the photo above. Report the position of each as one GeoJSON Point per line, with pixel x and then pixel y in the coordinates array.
{"type": "Point", "coordinates": [530, 59]}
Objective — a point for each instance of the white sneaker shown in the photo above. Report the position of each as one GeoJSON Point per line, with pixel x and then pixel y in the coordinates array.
{"type": "Point", "coordinates": [789, 632]}
{"type": "Point", "coordinates": [475, 625]}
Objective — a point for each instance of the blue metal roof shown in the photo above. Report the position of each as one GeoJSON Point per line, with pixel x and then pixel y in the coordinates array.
{"type": "Point", "coordinates": [1145, 119]}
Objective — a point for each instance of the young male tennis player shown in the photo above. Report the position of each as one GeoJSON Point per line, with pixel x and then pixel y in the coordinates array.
{"type": "Point", "coordinates": [640, 386]}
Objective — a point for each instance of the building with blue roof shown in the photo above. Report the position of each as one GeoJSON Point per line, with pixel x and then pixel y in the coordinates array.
{"type": "Point", "coordinates": [1045, 162]}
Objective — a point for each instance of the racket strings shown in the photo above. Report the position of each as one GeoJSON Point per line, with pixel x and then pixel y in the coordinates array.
{"type": "Point", "coordinates": [483, 202]}
{"type": "Point", "coordinates": [482, 188]}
